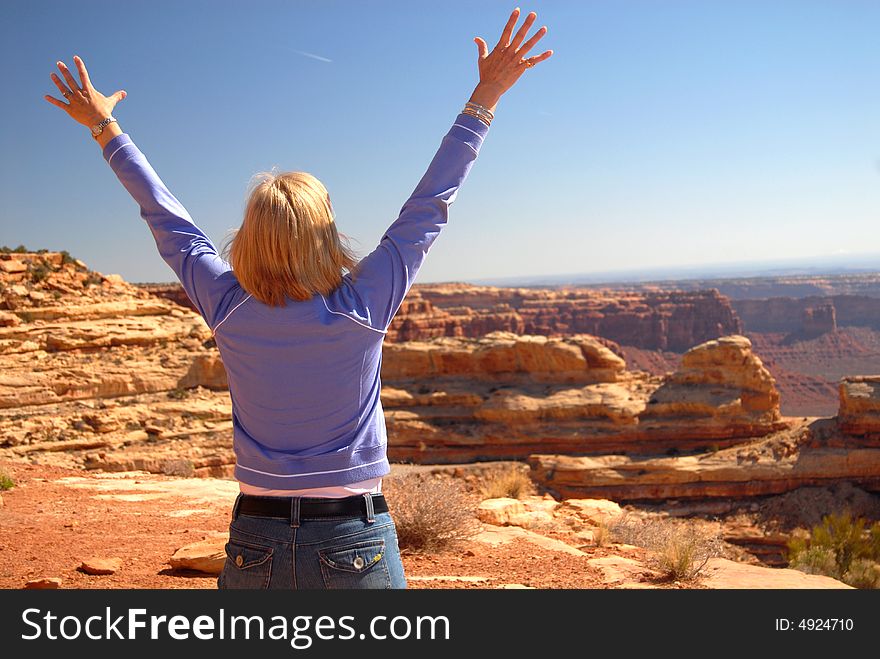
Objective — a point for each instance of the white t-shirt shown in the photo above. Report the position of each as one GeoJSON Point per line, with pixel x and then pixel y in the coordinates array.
{"type": "Point", "coordinates": [373, 486]}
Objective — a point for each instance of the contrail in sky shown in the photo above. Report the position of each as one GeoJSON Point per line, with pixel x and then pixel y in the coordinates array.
{"type": "Point", "coordinates": [313, 56]}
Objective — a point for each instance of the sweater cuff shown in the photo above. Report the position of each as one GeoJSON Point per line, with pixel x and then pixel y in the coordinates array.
{"type": "Point", "coordinates": [115, 144]}
{"type": "Point", "coordinates": [470, 130]}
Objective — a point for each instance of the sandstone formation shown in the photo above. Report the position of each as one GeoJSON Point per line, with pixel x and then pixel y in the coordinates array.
{"type": "Point", "coordinates": [574, 359]}
{"type": "Point", "coordinates": [783, 461]}
{"type": "Point", "coordinates": [658, 320]}
{"type": "Point", "coordinates": [720, 395]}
{"type": "Point", "coordinates": [860, 405]}
{"type": "Point", "coordinates": [651, 319]}
{"type": "Point", "coordinates": [720, 390]}
{"type": "Point", "coordinates": [722, 573]}
{"type": "Point", "coordinates": [808, 316]}
{"type": "Point", "coordinates": [92, 366]}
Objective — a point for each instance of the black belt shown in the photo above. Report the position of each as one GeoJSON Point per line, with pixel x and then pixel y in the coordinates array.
{"type": "Point", "coordinates": [309, 507]}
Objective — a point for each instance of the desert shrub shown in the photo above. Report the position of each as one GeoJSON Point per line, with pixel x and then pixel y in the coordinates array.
{"type": "Point", "coordinates": [679, 549]}
{"type": "Point", "coordinates": [429, 512]}
{"type": "Point", "coordinates": [66, 257]}
{"type": "Point", "coordinates": [93, 279]}
{"type": "Point", "coordinates": [178, 467]}
{"type": "Point", "coordinates": [841, 547]}
{"type": "Point", "coordinates": [178, 393]}
{"type": "Point", "coordinates": [601, 533]}
{"type": "Point", "coordinates": [6, 482]}
{"type": "Point", "coordinates": [21, 249]}
{"type": "Point", "coordinates": [38, 272]}
{"type": "Point", "coordinates": [513, 482]}
{"type": "Point", "coordinates": [863, 573]}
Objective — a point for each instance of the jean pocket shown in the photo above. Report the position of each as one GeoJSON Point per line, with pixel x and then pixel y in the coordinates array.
{"type": "Point", "coordinates": [247, 565]}
{"type": "Point", "coordinates": [360, 565]}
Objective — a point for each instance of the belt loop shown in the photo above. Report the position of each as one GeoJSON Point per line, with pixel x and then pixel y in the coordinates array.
{"type": "Point", "coordinates": [236, 506]}
{"type": "Point", "coordinates": [371, 513]}
{"type": "Point", "coordinates": [294, 512]}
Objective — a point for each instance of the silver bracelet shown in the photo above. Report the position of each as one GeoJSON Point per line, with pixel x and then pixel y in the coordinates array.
{"type": "Point", "coordinates": [480, 117]}
{"type": "Point", "coordinates": [480, 109]}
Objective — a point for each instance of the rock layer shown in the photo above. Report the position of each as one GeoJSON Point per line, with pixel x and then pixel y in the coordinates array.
{"type": "Point", "coordinates": [662, 320]}
{"type": "Point", "coordinates": [781, 462]}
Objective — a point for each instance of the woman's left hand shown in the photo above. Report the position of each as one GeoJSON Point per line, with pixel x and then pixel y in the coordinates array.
{"type": "Point", "coordinates": [85, 104]}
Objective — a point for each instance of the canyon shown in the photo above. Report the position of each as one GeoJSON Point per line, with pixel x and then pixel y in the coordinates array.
{"type": "Point", "coordinates": [107, 377]}
{"type": "Point", "coordinates": [102, 374]}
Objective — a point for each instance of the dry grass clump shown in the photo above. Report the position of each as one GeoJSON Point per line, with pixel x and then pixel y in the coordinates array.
{"type": "Point", "coordinates": [6, 482]}
{"type": "Point", "coordinates": [430, 512]}
{"type": "Point", "coordinates": [513, 483]}
{"type": "Point", "coordinates": [680, 549]}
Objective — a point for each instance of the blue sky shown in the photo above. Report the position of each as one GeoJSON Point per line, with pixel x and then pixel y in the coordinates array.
{"type": "Point", "coordinates": [661, 133]}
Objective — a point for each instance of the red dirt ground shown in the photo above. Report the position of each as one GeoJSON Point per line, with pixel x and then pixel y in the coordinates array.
{"type": "Point", "coordinates": [47, 529]}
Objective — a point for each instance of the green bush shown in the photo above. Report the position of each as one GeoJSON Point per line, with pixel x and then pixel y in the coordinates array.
{"type": "Point", "coordinates": [6, 482]}
{"type": "Point", "coordinates": [841, 547]}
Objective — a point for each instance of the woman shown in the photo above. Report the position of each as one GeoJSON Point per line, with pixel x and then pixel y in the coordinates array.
{"type": "Point", "coordinates": [302, 342]}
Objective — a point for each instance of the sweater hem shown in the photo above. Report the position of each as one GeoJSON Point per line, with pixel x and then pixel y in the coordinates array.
{"type": "Point", "coordinates": [374, 464]}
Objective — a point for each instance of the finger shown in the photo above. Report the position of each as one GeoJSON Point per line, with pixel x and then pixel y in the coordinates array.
{"type": "Point", "coordinates": [482, 48]}
{"type": "Point", "coordinates": [531, 61]}
{"type": "Point", "coordinates": [504, 41]}
{"type": "Point", "coordinates": [528, 45]}
{"type": "Point", "coordinates": [118, 96]}
{"type": "Point", "coordinates": [68, 76]}
{"type": "Point", "coordinates": [83, 74]}
{"type": "Point", "coordinates": [65, 92]}
{"type": "Point", "coordinates": [524, 30]}
{"type": "Point", "coordinates": [55, 101]}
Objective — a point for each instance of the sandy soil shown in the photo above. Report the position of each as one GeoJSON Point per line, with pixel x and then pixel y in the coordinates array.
{"type": "Point", "coordinates": [54, 518]}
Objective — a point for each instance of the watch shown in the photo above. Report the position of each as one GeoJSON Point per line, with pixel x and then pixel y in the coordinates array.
{"type": "Point", "coordinates": [97, 129]}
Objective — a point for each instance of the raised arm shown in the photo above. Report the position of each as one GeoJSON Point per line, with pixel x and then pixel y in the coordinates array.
{"type": "Point", "coordinates": [383, 278]}
{"type": "Point", "coordinates": [205, 276]}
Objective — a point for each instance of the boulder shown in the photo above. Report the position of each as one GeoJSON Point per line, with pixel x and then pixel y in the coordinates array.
{"type": "Point", "coordinates": [594, 511]}
{"type": "Point", "coordinates": [45, 583]}
{"type": "Point", "coordinates": [206, 556]}
{"type": "Point", "coordinates": [101, 566]}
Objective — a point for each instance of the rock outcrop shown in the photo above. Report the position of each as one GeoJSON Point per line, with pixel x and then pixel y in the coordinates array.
{"type": "Point", "coordinates": [720, 390]}
{"type": "Point", "coordinates": [808, 316]}
{"type": "Point", "coordinates": [783, 461]}
{"type": "Point", "coordinates": [90, 364]}
{"type": "Point", "coordinates": [575, 359]}
{"type": "Point", "coordinates": [859, 412]}
{"type": "Point", "coordinates": [656, 320]}
{"type": "Point", "coordinates": [662, 320]}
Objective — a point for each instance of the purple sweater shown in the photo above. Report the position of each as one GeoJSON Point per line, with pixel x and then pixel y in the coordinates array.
{"type": "Point", "coordinates": [304, 379]}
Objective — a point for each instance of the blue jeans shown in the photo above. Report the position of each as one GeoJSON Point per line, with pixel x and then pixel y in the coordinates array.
{"type": "Point", "coordinates": [337, 552]}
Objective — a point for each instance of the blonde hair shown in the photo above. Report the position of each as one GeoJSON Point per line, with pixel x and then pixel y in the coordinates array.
{"type": "Point", "coordinates": [288, 245]}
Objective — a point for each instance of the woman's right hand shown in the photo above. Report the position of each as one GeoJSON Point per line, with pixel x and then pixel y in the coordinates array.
{"type": "Point", "coordinates": [500, 69]}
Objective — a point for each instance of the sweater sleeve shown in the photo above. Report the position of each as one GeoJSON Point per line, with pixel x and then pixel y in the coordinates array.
{"type": "Point", "coordinates": [383, 278]}
{"type": "Point", "coordinates": [205, 276]}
